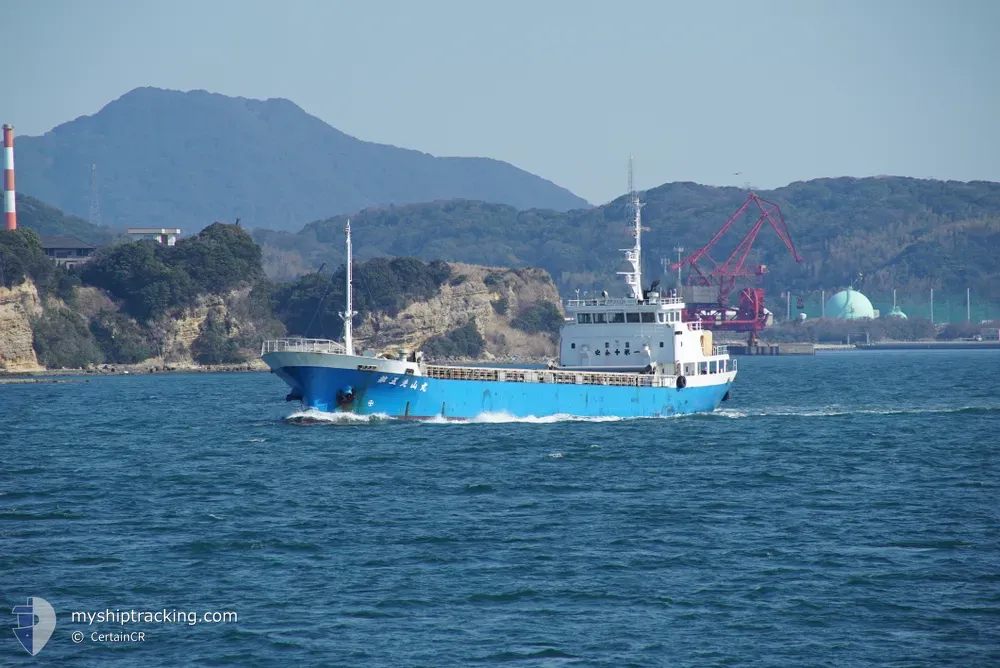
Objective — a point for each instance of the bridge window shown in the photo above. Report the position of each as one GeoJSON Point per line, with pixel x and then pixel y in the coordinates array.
{"type": "Point", "coordinates": [583, 318]}
{"type": "Point", "coordinates": [713, 367]}
{"type": "Point", "coordinates": [631, 317]}
{"type": "Point", "coordinates": [616, 317]}
{"type": "Point", "coordinates": [599, 318]}
{"type": "Point", "coordinates": [649, 317]}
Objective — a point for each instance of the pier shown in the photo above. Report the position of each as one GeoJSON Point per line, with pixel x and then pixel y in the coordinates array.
{"type": "Point", "coordinates": [812, 348]}
{"type": "Point", "coordinates": [930, 345]}
{"type": "Point", "coordinates": [773, 349]}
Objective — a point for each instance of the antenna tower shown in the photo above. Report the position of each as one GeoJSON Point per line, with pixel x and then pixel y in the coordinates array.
{"type": "Point", "coordinates": [631, 180]}
{"type": "Point", "coordinates": [95, 202]}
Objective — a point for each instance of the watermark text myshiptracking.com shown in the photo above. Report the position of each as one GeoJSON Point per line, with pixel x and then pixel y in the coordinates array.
{"type": "Point", "coordinates": [124, 617]}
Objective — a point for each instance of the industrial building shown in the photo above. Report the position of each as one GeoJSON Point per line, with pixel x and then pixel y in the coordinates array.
{"type": "Point", "coordinates": [167, 235]}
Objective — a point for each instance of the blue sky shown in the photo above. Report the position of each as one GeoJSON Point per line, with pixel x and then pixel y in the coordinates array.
{"type": "Point", "coordinates": [778, 91]}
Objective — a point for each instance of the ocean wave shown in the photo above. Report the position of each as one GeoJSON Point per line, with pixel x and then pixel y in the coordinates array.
{"type": "Point", "coordinates": [313, 416]}
{"type": "Point", "coordinates": [507, 418]}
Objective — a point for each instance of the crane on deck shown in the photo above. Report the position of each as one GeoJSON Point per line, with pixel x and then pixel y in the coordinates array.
{"type": "Point", "coordinates": [712, 283]}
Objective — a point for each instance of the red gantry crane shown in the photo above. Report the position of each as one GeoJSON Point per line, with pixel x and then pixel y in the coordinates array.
{"type": "Point", "coordinates": [712, 283]}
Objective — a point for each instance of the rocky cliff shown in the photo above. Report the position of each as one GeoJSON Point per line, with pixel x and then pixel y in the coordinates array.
{"type": "Point", "coordinates": [177, 336]}
{"type": "Point", "coordinates": [88, 329]}
{"type": "Point", "coordinates": [31, 327]}
{"type": "Point", "coordinates": [489, 297]}
{"type": "Point", "coordinates": [18, 305]}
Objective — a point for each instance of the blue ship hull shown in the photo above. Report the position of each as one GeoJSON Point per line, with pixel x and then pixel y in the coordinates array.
{"type": "Point", "coordinates": [418, 397]}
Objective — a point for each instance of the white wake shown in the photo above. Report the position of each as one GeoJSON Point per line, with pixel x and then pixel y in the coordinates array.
{"type": "Point", "coordinates": [313, 416]}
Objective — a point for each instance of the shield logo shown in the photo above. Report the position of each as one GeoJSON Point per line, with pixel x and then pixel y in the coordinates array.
{"type": "Point", "coordinates": [35, 623]}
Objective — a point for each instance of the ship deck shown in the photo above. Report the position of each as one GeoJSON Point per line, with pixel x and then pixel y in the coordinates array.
{"type": "Point", "coordinates": [337, 357]}
{"type": "Point", "coordinates": [554, 376]}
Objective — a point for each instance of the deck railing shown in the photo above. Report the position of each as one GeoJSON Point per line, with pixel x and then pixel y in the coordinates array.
{"type": "Point", "coordinates": [295, 345]}
{"type": "Point", "coordinates": [562, 377]}
{"type": "Point", "coordinates": [619, 302]}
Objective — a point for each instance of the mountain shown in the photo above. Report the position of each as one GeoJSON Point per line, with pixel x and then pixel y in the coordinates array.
{"type": "Point", "coordinates": [185, 159]}
{"type": "Point", "coordinates": [49, 221]}
{"type": "Point", "coordinates": [896, 232]}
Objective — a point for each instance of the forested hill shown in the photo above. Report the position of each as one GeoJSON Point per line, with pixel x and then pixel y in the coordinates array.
{"type": "Point", "coordinates": [896, 232]}
{"type": "Point", "coordinates": [48, 221]}
{"type": "Point", "coordinates": [184, 159]}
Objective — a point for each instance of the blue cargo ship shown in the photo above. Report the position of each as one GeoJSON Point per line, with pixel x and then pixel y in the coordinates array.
{"type": "Point", "coordinates": [629, 356]}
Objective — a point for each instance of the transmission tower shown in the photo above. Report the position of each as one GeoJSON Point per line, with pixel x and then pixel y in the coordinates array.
{"type": "Point", "coordinates": [95, 202]}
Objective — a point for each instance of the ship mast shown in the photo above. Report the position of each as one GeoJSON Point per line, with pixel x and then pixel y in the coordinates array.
{"type": "Point", "coordinates": [348, 314]}
{"type": "Point", "coordinates": [634, 255]}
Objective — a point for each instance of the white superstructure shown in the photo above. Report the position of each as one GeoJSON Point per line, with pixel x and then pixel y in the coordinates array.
{"type": "Point", "coordinates": [625, 334]}
{"type": "Point", "coordinates": [644, 332]}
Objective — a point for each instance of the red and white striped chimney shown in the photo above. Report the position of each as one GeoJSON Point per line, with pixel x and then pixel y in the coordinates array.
{"type": "Point", "coordinates": [9, 209]}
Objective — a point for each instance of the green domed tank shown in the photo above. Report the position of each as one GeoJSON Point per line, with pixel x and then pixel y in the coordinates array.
{"type": "Point", "coordinates": [897, 313]}
{"type": "Point", "coordinates": [849, 305]}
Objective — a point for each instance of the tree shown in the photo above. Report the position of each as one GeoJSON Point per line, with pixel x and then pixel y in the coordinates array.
{"type": "Point", "coordinates": [219, 258]}
{"type": "Point", "coordinates": [63, 341]}
{"type": "Point", "coordinates": [309, 305]}
{"type": "Point", "coordinates": [539, 316]}
{"type": "Point", "coordinates": [464, 341]}
{"type": "Point", "coordinates": [213, 345]}
{"type": "Point", "coordinates": [121, 340]}
{"type": "Point", "coordinates": [151, 278]}
{"type": "Point", "coordinates": [21, 257]}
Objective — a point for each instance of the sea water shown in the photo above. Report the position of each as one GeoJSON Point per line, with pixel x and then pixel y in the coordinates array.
{"type": "Point", "coordinates": [840, 510]}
